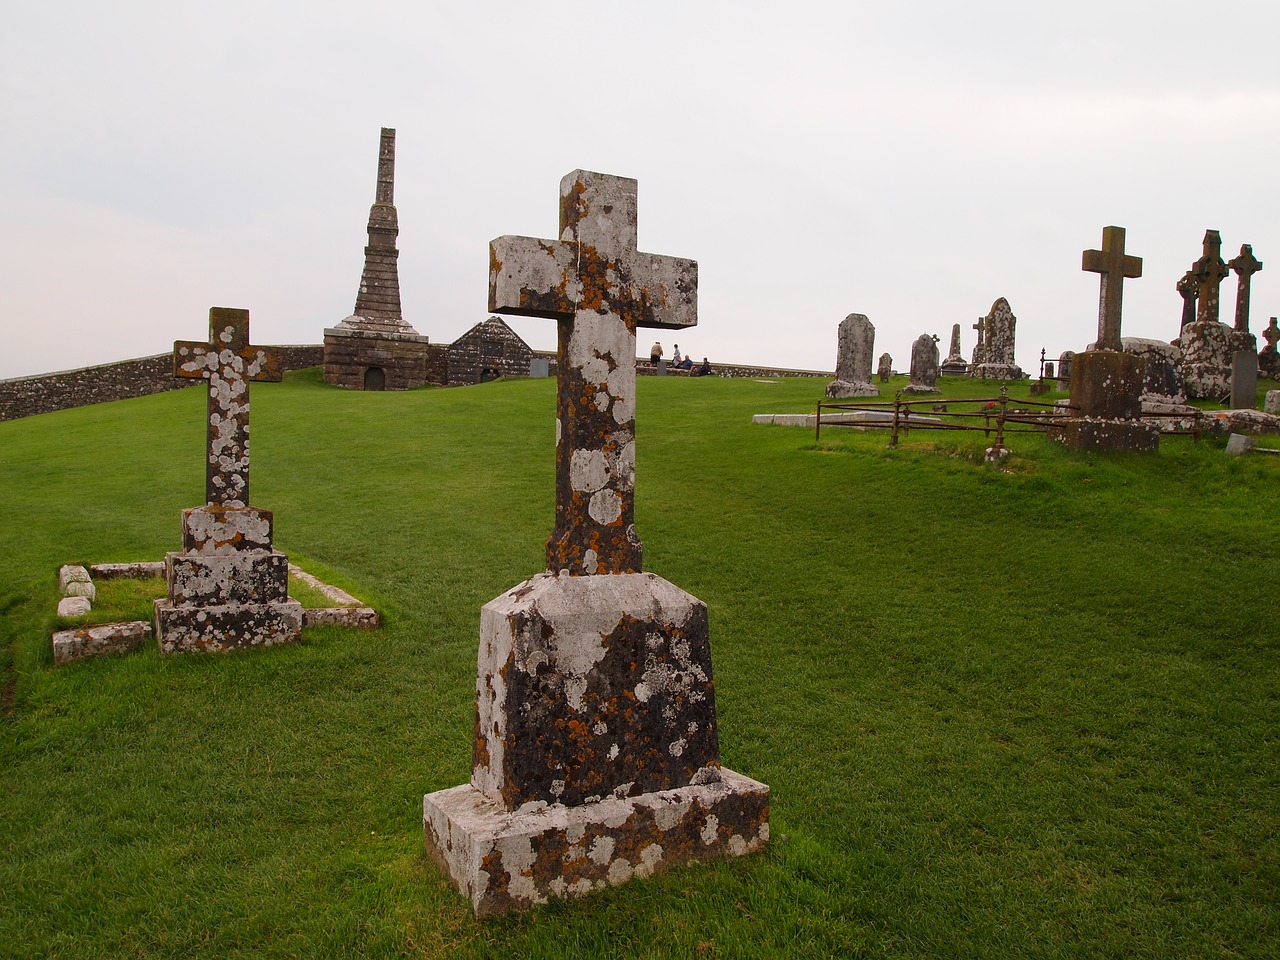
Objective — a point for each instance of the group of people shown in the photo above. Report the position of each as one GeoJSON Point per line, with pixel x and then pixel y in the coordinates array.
{"type": "Point", "coordinates": [680, 363]}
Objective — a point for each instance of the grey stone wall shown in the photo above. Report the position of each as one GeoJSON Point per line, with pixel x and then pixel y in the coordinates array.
{"type": "Point", "coordinates": [27, 396]}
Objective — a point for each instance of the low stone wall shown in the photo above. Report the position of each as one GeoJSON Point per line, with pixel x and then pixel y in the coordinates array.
{"type": "Point", "coordinates": [27, 396]}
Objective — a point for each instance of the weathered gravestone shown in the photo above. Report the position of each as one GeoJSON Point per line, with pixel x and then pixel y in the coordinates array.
{"type": "Point", "coordinates": [1064, 369]}
{"type": "Point", "coordinates": [924, 365]}
{"type": "Point", "coordinates": [1161, 369]}
{"type": "Point", "coordinates": [596, 752]}
{"type": "Point", "coordinates": [1106, 383]}
{"type": "Point", "coordinates": [227, 587]}
{"type": "Point", "coordinates": [994, 354]}
{"type": "Point", "coordinates": [954, 365]}
{"type": "Point", "coordinates": [1269, 356]}
{"type": "Point", "coordinates": [857, 337]}
{"type": "Point", "coordinates": [884, 369]}
{"type": "Point", "coordinates": [1244, 345]}
{"type": "Point", "coordinates": [1206, 344]}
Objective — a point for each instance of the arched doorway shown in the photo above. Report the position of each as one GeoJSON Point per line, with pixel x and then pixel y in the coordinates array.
{"type": "Point", "coordinates": [375, 378]}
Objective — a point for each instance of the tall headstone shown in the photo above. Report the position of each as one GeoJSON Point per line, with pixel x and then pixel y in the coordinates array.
{"type": "Point", "coordinates": [1207, 345]}
{"type": "Point", "coordinates": [857, 339]}
{"type": "Point", "coordinates": [596, 755]}
{"type": "Point", "coordinates": [954, 365]}
{"type": "Point", "coordinates": [1244, 267]}
{"type": "Point", "coordinates": [979, 348]}
{"type": "Point", "coordinates": [1106, 382]}
{"type": "Point", "coordinates": [924, 365]}
{"type": "Point", "coordinates": [1244, 380]}
{"type": "Point", "coordinates": [375, 348]}
{"type": "Point", "coordinates": [227, 587]}
{"type": "Point", "coordinates": [996, 343]}
{"type": "Point", "coordinates": [884, 369]}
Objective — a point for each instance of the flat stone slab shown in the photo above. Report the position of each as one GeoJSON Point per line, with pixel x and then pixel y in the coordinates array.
{"type": "Point", "coordinates": [109, 638]}
{"type": "Point", "coordinates": [360, 618]}
{"type": "Point", "coordinates": [845, 418]}
{"type": "Point", "coordinates": [128, 571]}
{"type": "Point", "coordinates": [337, 595]}
{"type": "Point", "coordinates": [502, 861]}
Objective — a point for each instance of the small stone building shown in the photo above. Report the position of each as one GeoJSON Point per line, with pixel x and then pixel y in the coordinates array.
{"type": "Point", "coordinates": [489, 350]}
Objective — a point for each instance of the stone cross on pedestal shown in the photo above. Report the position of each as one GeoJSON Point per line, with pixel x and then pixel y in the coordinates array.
{"type": "Point", "coordinates": [1115, 267]}
{"type": "Point", "coordinates": [599, 288]}
{"type": "Point", "coordinates": [1245, 266]}
{"type": "Point", "coordinates": [1187, 287]}
{"type": "Point", "coordinates": [1209, 271]}
{"type": "Point", "coordinates": [595, 756]}
{"type": "Point", "coordinates": [228, 362]}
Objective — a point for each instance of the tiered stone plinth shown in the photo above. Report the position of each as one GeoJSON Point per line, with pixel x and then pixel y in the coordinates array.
{"type": "Point", "coordinates": [596, 751]}
{"type": "Point", "coordinates": [227, 587]}
{"type": "Point", "coordinates": [400, 354]}
{"type": "Point", "coordinates": [1106, 392]}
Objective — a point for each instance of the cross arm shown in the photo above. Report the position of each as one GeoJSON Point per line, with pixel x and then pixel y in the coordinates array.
{"type": "Point", "coordinates": [533, 278]}
{"type": "Point", "coordinates": [669, 293]}
{"type": "Point", "coordinates": [188, 359]}
{"type": "Point", "coordinates": [1100, 261]}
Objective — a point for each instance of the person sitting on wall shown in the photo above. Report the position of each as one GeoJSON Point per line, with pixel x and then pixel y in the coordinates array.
{"type": "Point", "coordinates": [685, 364]}
{"type": "Point", "coordinates": [704, 370]}
{"type": "Point", "coordinates": [655, 354]}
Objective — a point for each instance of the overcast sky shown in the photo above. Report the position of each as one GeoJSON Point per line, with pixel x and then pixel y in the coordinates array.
{"type": "Point", "coordinates": [909, 161]}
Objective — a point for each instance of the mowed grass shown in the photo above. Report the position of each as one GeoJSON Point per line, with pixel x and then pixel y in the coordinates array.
{"type": "Point", "coordinates": [1030, 712]}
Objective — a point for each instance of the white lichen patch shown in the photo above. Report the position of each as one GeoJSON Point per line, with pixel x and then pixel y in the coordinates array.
{"type": "Point", "coordinates": [709, 826]}
{"type": "Point", "coordinates": [588, 470]}
{"type": "Point", "coordinates": [605, 507]}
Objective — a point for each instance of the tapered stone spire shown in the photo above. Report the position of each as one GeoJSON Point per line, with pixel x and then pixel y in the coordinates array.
{"type": "Point", "coordinates": [374, 348]}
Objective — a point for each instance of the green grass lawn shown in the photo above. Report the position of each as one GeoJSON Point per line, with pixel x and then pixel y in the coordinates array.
{"type": "Point", "coordinates": [1030, 712]}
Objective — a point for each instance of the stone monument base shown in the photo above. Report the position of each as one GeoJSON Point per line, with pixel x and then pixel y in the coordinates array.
{"type": "Point", "coordinates": [503, 861]}
{"type": "Point", "coordinates": [954, 368]}
{"type": "Point", "coordinates": [920, 388]}
{"type": "Point", "coordinates": [219, 628]}
{"type": "Point", "coordinates": [996, 371]}
{"type": "Point", "coordinates": [1121, 436]}
{"type": "Point", "coordinates": [840, 389]}
{"type": "Point", "coordinates": [401, 354]}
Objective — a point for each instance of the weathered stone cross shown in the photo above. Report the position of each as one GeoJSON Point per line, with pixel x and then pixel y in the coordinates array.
{"type": "Point", "coordinates": [1245, 266]}
{"type": "Point", "coordinates": [228, 362]}
{"type": "Point", "coordinates": [1209, 272]}
{"type": "Point", "coordinates": [1115, 267]}
{"type": "Point", "coordinates": [599, 288]}
{"type": "Point", "coordinates": [1187, 290]}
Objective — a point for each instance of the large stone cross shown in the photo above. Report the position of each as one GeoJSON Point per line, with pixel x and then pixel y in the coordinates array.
{"type": "Point", "coordinates": [1115, 267]}
{"type": "Point", "coordinates": [228, 362]}
{"type": "Point", "coordinates": [599, 288]}
{"type": "Point", "coordinates": [1245, 266]}
{"type": "Point", "coordinates": [1187, 288]}
{"type": "Point", "coordinates": [1209, 272]}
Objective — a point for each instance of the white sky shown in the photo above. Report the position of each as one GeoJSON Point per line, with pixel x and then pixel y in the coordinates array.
{"type": "Point", "coordinates": [909, 161]}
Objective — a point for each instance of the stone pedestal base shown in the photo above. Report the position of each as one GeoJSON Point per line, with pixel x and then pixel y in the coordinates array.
{"type": "Point", "coordinates": [839, 389]}
{"type": "Point", "coordinates": [954, 367]}
{"type": "Point", "coordinates": [401, 358]}
{"type": "Point", "coordinates": [503, 861]}
{"type": "Point", "coordinates": [188, 629]}
{"type": "Point", "coordinates": [996, 371]}
{"type": "Point", "coordinates": [920, 388]}
{"type": "Point", "coordinates": [1125, 436]}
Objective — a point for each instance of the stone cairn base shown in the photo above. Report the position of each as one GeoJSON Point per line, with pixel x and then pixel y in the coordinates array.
{"type": "Point", "coordinates": [596, 756]}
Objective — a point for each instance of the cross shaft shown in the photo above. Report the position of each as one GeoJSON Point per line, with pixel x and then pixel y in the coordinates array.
{"type": "Point", "coordinates": [1115, 266]}
{"type": "Point", "coordinates": [228, 362]}
{"type": "Point", "coordinates": [599, 289]}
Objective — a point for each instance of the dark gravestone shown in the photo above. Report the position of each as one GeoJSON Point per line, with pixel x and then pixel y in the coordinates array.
{"type": "Point", "coordinates": [884, 369]}
{"type": "Point", "coordinates": [1269, 356]}
{"type": "Point", "coordinates": [854, 349]}
{"type": "Point", "coordinates": [1106, 383]}
{"type": "Point", "coordinates": [227, 588]}
{"type": "Point", "coordinates": [1187, 288]}
{"type": "Point", "coordinates": [924, 365]}
{"type": "Point", "coordinates": [596, 750]}
{"type": "Point", "coordinates": [1244, 380]}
